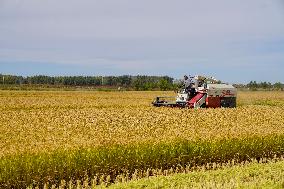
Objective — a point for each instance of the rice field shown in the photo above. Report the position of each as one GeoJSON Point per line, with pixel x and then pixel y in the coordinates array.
{"type": "Point", "coordinates": [47, 137]}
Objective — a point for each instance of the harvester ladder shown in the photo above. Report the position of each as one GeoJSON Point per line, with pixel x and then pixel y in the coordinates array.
{"type": "Point", "coordinates": [197, 100]}
{"type": "Point", "coordinates": [201, 101]}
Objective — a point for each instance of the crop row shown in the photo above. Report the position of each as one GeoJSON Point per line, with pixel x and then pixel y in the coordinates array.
{"type": "Point", "coordinates": [48, 129]}
{"type": "Point", "coordinates": [27, 169]}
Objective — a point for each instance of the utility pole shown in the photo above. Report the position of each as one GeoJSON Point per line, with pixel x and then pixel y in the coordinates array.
{"type": "Point", "coordinates": [3, 79]}
{"type": "Point", "coordinates": [102, 80]}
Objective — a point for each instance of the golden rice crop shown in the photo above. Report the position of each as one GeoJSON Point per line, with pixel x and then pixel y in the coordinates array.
{"type": "Point", "coordinates": [41, 123]}
{"type": "Point", "coordinates": [44, 121]}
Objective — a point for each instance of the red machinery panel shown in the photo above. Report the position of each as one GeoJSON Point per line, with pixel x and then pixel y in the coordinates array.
{"type": "Point", "coordinates": [195, 99]}
{"type": "Point", "coordinates": [213, 102]}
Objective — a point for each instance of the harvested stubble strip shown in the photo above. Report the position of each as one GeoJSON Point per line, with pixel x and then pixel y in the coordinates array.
{"type": "Point", "coordinates": [247, 174]}
{"type": "Point", "coordinates": [23, 170]}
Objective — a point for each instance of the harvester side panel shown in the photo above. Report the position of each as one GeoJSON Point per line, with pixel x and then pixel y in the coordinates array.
{"type": "Point", "coordinates": [229, 102]}
{"type": "Point", "coordinates": [221, 90]}
{"type": "Point", "coordinates": [213, 102]}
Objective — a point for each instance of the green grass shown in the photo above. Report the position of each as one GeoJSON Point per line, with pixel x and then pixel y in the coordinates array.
{"type": "Point", "coordinates": [19, 171]}
{"type": "Point", "coordinates": [253, 175]}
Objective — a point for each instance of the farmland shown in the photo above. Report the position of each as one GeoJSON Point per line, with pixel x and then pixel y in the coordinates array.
{"type": "Point", "coordinates": [47, 137]}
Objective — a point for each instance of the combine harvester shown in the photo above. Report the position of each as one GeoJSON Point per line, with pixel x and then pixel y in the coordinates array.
{"type": "Point", "coordinates": [201, 92]}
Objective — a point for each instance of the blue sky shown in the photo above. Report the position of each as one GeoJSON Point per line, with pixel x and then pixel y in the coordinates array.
{"type": "Point", "coordinates": [235, 41]}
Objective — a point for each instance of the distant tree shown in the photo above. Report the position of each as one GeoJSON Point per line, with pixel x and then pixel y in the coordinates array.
{"type": "Point", "coordinates": [252, 85]}
{"type": "Point", "coordinates": [264, 85]}
{"type": "Point", "coordinates": [164, 84]}
{"type": "Point", "coordinates": [125, 80]}
{"type": "Point", "coordinates": [278, 85]}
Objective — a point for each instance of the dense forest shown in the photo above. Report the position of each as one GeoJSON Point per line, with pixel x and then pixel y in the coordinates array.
{"type": "Point", "coordinates": [140, 82]}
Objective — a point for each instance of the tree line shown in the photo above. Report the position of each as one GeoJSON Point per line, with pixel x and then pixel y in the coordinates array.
{"type": "Point", "coordinates": [140, 82]}
{"type": "Point", "coordinates": [253, 85]}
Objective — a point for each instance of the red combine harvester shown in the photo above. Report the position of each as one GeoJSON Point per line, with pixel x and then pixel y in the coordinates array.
{"type": "Point", "coordinates": [202, 93]}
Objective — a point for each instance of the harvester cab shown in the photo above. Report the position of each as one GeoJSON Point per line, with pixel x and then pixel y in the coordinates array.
{"type": "Point", "coordinates": [202, 92]}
